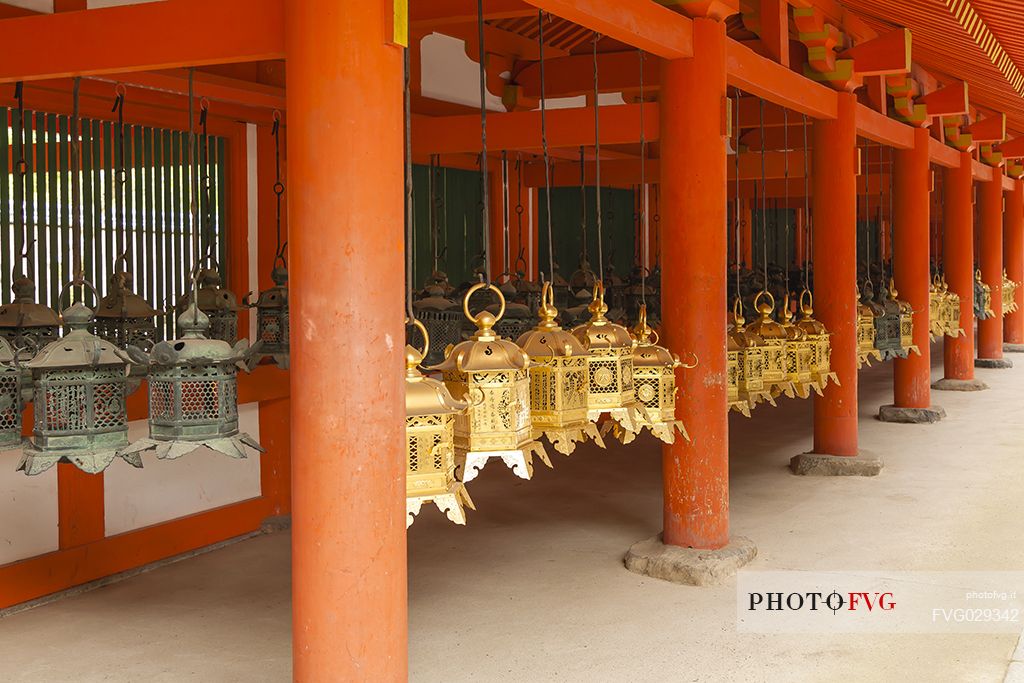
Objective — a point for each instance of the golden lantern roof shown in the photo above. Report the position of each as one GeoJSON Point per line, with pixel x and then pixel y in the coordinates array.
{"type": "Point", "coordinates": [808, 323]}
{"type": "Point", "coordinates": [742, 336]}
{"type": "Point", "coordinates": [485, 350]}
{"type": "Point", "coordinates": [765, 326]}
{"type": "Point", "coordinates": [793, 331]}
{"type": "Point", "coordinates": [424, 395]}
{"type": "Point", "coordinates": [647, 353]}
{"type": "Point", "coordinates": [905, 307]}
{"type": "Point", "coordinates": [548, 339]}
{"type": "Point", "coordinates": [599, 332]}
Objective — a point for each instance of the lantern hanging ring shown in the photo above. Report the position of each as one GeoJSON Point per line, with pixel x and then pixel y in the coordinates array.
{"type": "Point", "coordinates": [423, 330]}
{"type": "Point", "coordinates": [476, 288]}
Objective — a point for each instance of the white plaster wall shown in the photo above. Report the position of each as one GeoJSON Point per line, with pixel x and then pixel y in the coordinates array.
{"type": "Point", "coordinates": [167, 489]}
{"type": "Point", "coordinates": [28, 511]}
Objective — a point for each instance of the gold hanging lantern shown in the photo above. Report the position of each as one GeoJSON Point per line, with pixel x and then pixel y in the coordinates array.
{"type": "Point", "coordinates": [558, 381]}
{"type": "Point", "coordinates": [492, 375]}
{"type": "Point", "coordinates": [750, 361]}
{"type": "Point", "coordinates": [936, 314]}
{"type": "Point", "coordinates": [774, 345]}
{"type": "Point", "coordinates": [654, 382]}
{"type": "Point", "coordinates": [430, 414]}
{"type": "Point", "coordinates": [816, 334]}
{"type": "Point", "coordinates": [1009, 294]}
{"type": "Point", "coordinates": [866, 327]}
{"type": "Point", "coordinates": [800, 355]}
{"type": "Point", "coordinates": [732, 369]}
{"type": "Point", "coordinates": [609, 366]}
{"type": "Point", "coordinates": [950, 312]}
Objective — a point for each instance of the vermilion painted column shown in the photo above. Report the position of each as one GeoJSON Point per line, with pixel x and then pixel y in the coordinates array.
{"type": "Point", "coordinates": [912, 266]}
{"type": "Point", "coordinates": [1013, 259]}
{"type": "Point", "coordinates": [990, 331]}
{"type": "Point", "coordinates": [958, 265]}
{"type": "Point", "coordinates": [834, 203]}
{"type": "Point", "coordinates": [693, 242]}
{"type": "Point", "coordinates": [349, 611]}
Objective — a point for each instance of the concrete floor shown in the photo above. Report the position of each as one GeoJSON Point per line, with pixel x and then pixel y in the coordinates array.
{"type": "Point", "coordinates": [533, 589]}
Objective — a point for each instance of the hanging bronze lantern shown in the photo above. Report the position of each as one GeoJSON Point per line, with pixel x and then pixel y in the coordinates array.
{"type": "Point", "coordinates": [25, 323]}
{"type": "Point", "coordinates": [529, 292]}
{"type": "Point", "coordinates": [654, 384]}
{"type": "Point", "coordinates": [430, 414]}
{"type": "Point", "coordinates": [80, 411]}
{"type": "Point", "coordinates": [816, 334]}
{"type": "Point", "coordinates": [272, 316]}
{"type": "Point", "coordinates": [800, 354]}
{"type": "Point", "coordinates": [193, 393]}
{"type": "Point", "coordinates": [124, 318]}
{"type": "Point", "coordinates": [558, 381]}
{"type": "Point", "coordinates": [10, 397]}
{"type": "Point", "coordinates": [609, 366]}
{"type": "Point", "coordinates": [866, 326]}
{"type": "Point", "coordinates": [887, 325]}
{"type": "Point", "coordinates": [774, 345]}
{"type": "Point", "coordinates": [492, 375]}
{"type": "Point", "coordinates": [442, 319]}
{"type": "Point", "coordinates": [219, 304]}
{"type": "Point", "coordinates": [906, 325]}
{"type": "Point", "coordinates": [750, 361]}
{"type": "Point", "coordinates": [518, 318]}
{"type": "Point", "coordinates": [982, 298]}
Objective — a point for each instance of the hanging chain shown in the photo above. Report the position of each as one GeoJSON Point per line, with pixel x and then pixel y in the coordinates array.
{"type": "Point", "coordinates": [21, 245]}
{"type": "Point", "coordinates": [643, 189]}
{"type": "Point", "coordinates": [785, 175]}
{"type": "Point", "coordinates": [764, 203]}
{"type": "Point", "coordinates": [883, 238]}
{"type": "Point", "coordinates": [520, 258]}
{"type": "Point", "coordinates": [584, 251]}
{"type": "Point", "coordinates": [544, 146]}
{"type": "Point", "coordinates": [204, 167]}
{"type": "Point", "coordinates": [739, 199]}
{"type": "Point", "coordinates": [407, 106]}
{"type": "Point", "coordinates": [193, 172]}
{"type": "Point", "coordinates": [597, 162]}
{"type": "Point", "coordinates": [485, 199]}
{"type": "Point", "coordinates": [892, 216]}
{"type": "Point", "coordinates": [78, 270]}
{"type": "Point", "coordinates": [807, 212]}
{"type": "Point", "coordinates": [506, 255]}
{"type": "Point", "coordinates": [121, 172]}
{"type": "Point", "coordinates": [278, 184]}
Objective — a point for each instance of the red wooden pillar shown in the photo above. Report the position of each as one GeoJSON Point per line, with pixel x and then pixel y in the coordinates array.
{"type": "Point", "coordinates": [1013, 259]}
{"type": "Point", "coordinates": [834, 203]}
{"type": "Point", "coordinates": [958, 265]}
{"type": "Point", "coordinates": [990, 331]}
{"type": "Point", "coordinates": [911, 267]}
{"type": "Point", "coordinates": [349, 611]}
{"type": "Point", "coordinates": [693, 240]}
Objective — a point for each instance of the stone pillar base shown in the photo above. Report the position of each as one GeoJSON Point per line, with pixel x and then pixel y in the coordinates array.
{"type": "Point", "coordinates": [818, 465]}
{"type": "Point", "coordinates": [689, 566]}
{"type": "Point", "coordinates": [949, 384]}
{"type": "Point", "coordinates": [276, 523]}
{"type": "Point", "coordinates": [1013, 348]}
{"type": "Point", "coordinates": [993, 363]}
{"type": "Point", "coordinates": [899, 415]}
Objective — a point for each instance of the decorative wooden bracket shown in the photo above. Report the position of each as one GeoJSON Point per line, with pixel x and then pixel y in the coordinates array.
{"type": "Point", "coordinates": [711, 9]}
{"type": "Point", "coordinates": [956, 139]}
{"type": "Point", "coordinates": [1013, 149]}
{"type": "Point", "coordinates": [884, 55]}
{"type": "Point", "coordinates": [904, 89]}
{"type": "Point", "coordinates": [990, 129]}
{"type": "Point", "coordinates": [948, 101]}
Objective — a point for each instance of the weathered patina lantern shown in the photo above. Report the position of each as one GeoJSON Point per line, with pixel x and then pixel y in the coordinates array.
{"type": "Point", "coordinates": [982, 298]}
{"type": "Point", "coordinates": [272, 316]}
{"type": "Point", "coordinates": [558, 381]}
{"type": "Point", "coordinates": [25, 323]}
{"type": "Point", "coordinates": [906, 318]}
{"type": "Point", "coordinates": [80, 411]}
{"type": "Point", "coordinates": [430, 414]}
{"type": "Point", "coordinates": [816, 334]}
{"type": "Point", "coordinates": [866, 326]}
{"type": "Point", "coordinates": [750, 360]}
{"type": "Point", "coordinates": [774, 345]}
{"type": "Point", "coordinates": [887, 325]}
{"type": "Point", "coordinates": [654, 383]}
{"type": "Point", "coordinates": [123, 317]}
{"type": "Point", "coordinates": [518, 318]}
{"type": "Point", "coordinates": [219, 304]}
{"type": "Point", "coordinates": [193, 393]}
{"type": "Point", "coordinates": [800, 354]}
{"type": "Point", "coordinates": [442, 319]}
{"type": "Point", "coordinates": [492, 375]}
{"type": "Point", "coordinates": [609, 366]}
{"type": "Point", "coordinates": [10, 397]}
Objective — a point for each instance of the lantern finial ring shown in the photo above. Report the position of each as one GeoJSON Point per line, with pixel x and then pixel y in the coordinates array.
{"type": "Point", "coordinates": [423, 330]}
{"type": "Point", "coordinates": [476, 288]}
